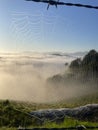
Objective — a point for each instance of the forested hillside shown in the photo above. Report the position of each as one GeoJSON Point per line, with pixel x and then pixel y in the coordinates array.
{"type": "Point", "coordinates": [83, 71]}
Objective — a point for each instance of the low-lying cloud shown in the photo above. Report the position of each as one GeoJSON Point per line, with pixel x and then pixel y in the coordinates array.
{"type": "Point", "coordinates": [23, 76]}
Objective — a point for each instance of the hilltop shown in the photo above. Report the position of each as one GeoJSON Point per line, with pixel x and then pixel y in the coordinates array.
{"type": "Point", "coordinates": [80, 71]}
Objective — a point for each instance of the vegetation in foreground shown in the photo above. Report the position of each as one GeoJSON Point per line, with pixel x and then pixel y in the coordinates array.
{"type": "Point", "coordinates": [14, 114]}
{"type": "Point", "coordinates": [68, 122]}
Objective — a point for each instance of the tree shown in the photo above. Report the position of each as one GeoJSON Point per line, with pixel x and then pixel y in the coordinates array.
{"type": "Point", "coordinates": [75, 65]}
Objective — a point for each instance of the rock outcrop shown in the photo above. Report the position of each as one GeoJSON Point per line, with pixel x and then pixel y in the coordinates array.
{"type": "Point", "coordinates": [87, 112]}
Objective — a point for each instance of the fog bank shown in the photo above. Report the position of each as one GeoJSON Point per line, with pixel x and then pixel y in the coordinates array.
{"type": "Point", "coordinates": [23, 76]}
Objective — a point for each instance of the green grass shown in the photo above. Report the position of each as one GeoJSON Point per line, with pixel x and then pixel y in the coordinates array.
{"type": "Point", "coordinates": [74, 102]}
{"type": "Point", "coordinates": [16, 110]}
{"type": "Point", "coordinates": [5, 128]}
{"type": "Point", "coordinates": [68, 122]}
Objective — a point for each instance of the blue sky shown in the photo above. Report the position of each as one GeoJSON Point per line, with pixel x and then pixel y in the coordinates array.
{"type": "Point", "coordinates": [28, 26]}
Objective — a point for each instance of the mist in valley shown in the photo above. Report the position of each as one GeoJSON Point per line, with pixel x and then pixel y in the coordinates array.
{"type": "Point", "coordinates": [23, 76]}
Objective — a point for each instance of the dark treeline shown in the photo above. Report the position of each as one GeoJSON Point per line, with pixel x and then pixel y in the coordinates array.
{"type": "Point", "coordinates": [80, 71]}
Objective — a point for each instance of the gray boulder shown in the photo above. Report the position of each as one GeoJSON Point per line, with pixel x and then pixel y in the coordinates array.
{"type": "Point", "coordinates": [87, 112]}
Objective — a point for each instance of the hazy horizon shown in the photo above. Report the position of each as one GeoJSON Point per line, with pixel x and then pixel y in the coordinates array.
{"type": "Point", "coordinates": [23, 76]}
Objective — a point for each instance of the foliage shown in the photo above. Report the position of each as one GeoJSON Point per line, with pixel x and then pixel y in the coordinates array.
{"type": "Point", "coordinates": [14, 114]}
{"type": "Point", "coordinates": [10, 115]}
{"type": "Point", "coordinates": [88, 66]}
{"type": "Point", "coordinates": [80, 71]}
{"type": "Point", "coordinates": [69, 122]}
{"type": "Point", "coordinates": [75, 65]}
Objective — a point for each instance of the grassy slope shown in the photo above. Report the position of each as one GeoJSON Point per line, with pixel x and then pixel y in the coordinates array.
{"type": "Point", "coordinates": [25, 107]}
{"type": "Point", "coordinates": [69, 122]}
{"type": "Point", "coordinates": [75, 102]}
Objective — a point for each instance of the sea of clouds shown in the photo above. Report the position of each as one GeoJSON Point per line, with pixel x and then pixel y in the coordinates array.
{"type": "Point", "coordinates": [23, 75]}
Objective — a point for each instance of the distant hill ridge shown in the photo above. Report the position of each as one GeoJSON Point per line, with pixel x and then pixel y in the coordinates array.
{"type": "Point", "coordinates": [90, 62]}
{"type": "Point", "coordinates": [80, 69]}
